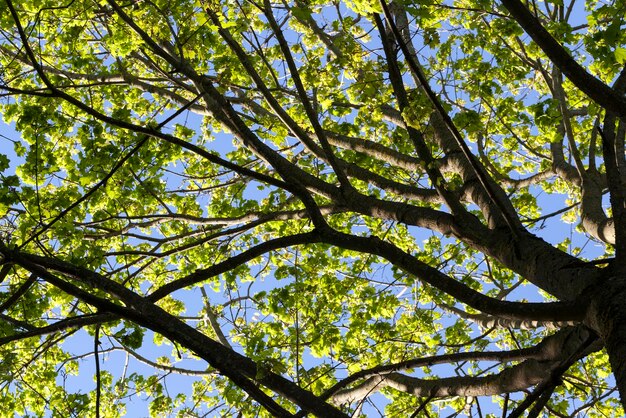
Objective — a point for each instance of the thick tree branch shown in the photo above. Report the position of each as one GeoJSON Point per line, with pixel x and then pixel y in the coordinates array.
{"type": "Point", "coordinates": [555, 311]}
{"type": "Point", "coordinates": [512, 379]}
{"type": "Point", "coordinates": [548, 349]}
{"type": "Point", "coordinates": [486, 321]}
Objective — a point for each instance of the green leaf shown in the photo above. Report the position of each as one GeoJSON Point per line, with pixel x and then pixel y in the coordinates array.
{"type": "Point", "coordinates": [620, 55]}
{"type": "Point", "coordinates": [4, 162]}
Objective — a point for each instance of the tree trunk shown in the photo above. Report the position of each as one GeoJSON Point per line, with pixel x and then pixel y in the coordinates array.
{"type": "Point", "coordinates": [607, 316]}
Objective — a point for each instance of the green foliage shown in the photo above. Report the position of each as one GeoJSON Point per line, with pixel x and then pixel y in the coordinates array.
{"type": "Point", "coordinates": [106, 182]}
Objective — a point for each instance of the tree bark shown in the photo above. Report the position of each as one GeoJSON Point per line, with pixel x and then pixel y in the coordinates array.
{"type": "Point", "coordinates": [607, 316]}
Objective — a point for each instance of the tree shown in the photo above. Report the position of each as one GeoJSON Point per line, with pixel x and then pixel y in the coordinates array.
{"type": "Point", "coordinates": [314, 208]}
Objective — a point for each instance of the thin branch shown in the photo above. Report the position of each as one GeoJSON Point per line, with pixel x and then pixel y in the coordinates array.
{"type": "Point", "coordinates": [73, 322]}
{"type": "Point", "coordinates": [24, 287]}
{"type": "Point", "coordinates": [166, 368]}
{"type": "Point", "coordinates": [599, 92]}
{"type": "Point", "coordinates": [308, 108]}
{"type": "Point", "coordinates": [96, 347]}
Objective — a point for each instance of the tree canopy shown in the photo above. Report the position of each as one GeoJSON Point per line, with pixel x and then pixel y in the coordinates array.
{"type": "Point", "coordinates": [294, 208]}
